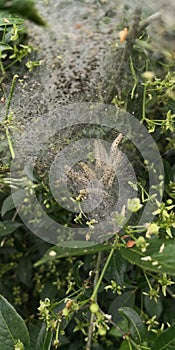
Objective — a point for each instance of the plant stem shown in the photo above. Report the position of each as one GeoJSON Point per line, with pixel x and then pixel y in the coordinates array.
{"type": "Point", "coordinates": [91, 326]}
{"type": "Point", "coordinates": [9, 142]}
{"type": "Point", "coordinates": [10, 96]}
{"type": "Point", "coordinates": [134, 77]}
{"type": "Point", "coordinates": [144, 98]}
{"type": "Point", "coordinates": [7, 119]}
{"type": "Point", "coordinates": [147, 280]}
{"type": "Point", "coordinates": [90, 332]}
{"type": "Point", "coordinates": [94, 294]}
{"type": "Point", "coordinates": [113, 323]}
{"type": "Point", "coordinates": [143, 104]}
{"type": "Point", "coordinates": [97, 282]}
{"type": "Point", "coordinates": [129, 344]}
{"type": "Point", "coordinates": [2, 70]}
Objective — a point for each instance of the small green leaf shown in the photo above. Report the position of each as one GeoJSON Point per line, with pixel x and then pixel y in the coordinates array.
{"type": "Point", "coordinates": [125, 299]}
{"type": "Point", "coordinates": [7, 227]}
{"type": "Point", "coordinates": [44, 339]}
{"type": "Point", "coordinates": [12, 327]}
{"type": "Point", "coordinates": [28, 170]}
{"type": "Point", "coordinates": [76, 272]}
{"type": "Point", "coordinates": [5, 47]}
{"type": "Point", "coordinates": [164, 339]}
{"type": "Point", "coordinates": [125, 346]}
{"type": "Point", "coordinates": [8, 20]}
{"type": "Point", "coordinates": [57, 252]}
{"type": "Point", "coordinates": [116, 268]}
{"type": "Point", "coordinates": [8, 203]}
{"type": "Point", "coordinates": [137, 328]}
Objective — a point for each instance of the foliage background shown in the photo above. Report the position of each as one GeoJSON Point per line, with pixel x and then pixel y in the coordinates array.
{"type": "Point", "coordinates": [65, 295]}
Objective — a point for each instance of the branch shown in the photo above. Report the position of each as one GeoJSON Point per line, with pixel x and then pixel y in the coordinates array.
{"type": "Point", "coordinates": [148, 20]}
{"type": "Point", "coordinates": [116, 84]}
{"type": "Point", "coordinates": [136, 30]}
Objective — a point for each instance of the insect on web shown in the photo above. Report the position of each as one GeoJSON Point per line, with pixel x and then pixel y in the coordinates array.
{"type": "Point", "coordinates": [96, 179]}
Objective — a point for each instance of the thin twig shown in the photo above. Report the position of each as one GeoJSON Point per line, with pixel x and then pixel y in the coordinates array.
{"type": "Point", "coordinates": [148, 20]}
{"type": "Point", "coordinates": [109, 319]}
{"type": "Point", "coordinates": [134, 32]}
{"type": "Point", "coordinates": [90, 332]}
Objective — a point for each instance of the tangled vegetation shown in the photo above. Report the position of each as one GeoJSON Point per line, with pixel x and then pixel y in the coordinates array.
{"type": "Point", "coordinates": [115, 295]}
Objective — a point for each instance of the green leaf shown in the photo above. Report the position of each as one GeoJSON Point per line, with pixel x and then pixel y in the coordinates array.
{"type": "Point", "coordinates": [48, 291]}
{"type": "Point", "coordinates": [44, 340]}
{"type": "Point", "coordinates": [24, 271]}
{"type": "Point", "coordinates": [5, 47]}
{"type": "Point", "coordinates": [76, 272]}
{"type": "Point", "coordinates": [28, 168]}
{"type": "Point", "coordinates": [7, 227]}
{"type": "Point", "coordinates": [116, 268]}
{"type": "Point", "coordinates": [125, 299]}
{"type": "Point", "coordinates": [57, 252]}
{"type": "Point", "coordinates": [8, 203]}
{"type": "Point", "coordinates": [125, 346]}
{"type": "Point", "coordinates": [7, 20]}
{"type": "Point", "coordinates": [171, 346]}
{"type": "Point", "coordinates": [158, 257]}
{"type": "Point", "coordinates": [164, 339]}
{"type": "Point", "coordinates": [153, 307]}
{"type": "Point", "coordinates": [12, 327]}
{"type": "Point", "coordinates": [137, 328]}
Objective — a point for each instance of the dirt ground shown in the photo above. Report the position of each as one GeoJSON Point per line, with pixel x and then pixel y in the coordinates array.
{"type": "Point", "coordinates": [72, 50]}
